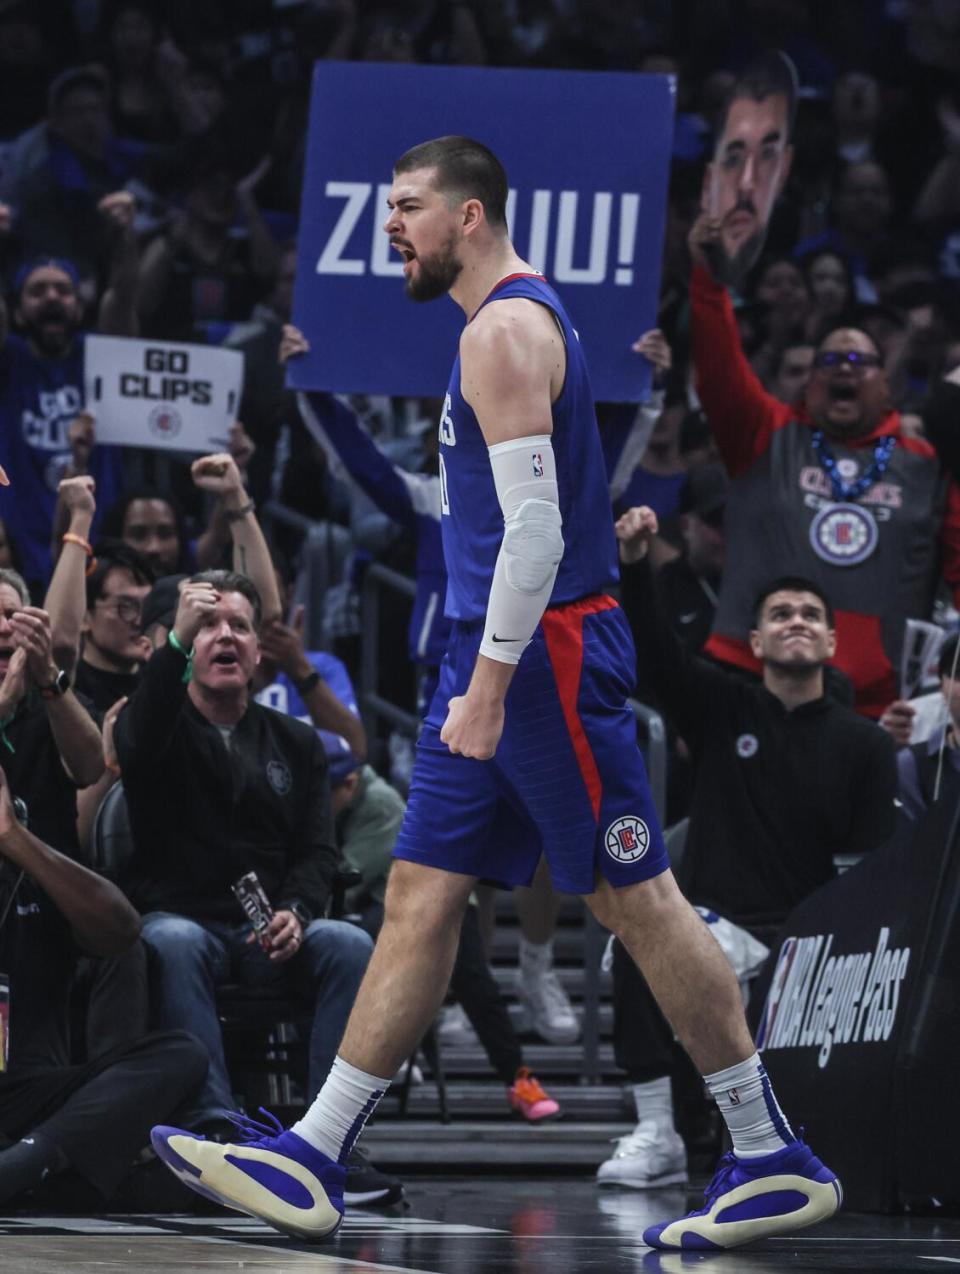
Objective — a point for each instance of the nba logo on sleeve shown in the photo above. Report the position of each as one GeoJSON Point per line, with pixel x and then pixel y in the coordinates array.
{"type": "Point", "coordinates": [628, 839]}
{"type": "Point", "coordinates": [537, 464]}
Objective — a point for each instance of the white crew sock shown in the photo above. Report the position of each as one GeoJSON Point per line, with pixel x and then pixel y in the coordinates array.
{"type": "Point", "coordinates": [749, 1108]}
{"type": "Point", "coordinates": [536, 957]}
{"type": "Point", "coordinates": [337, 1114]}
{"type": "Point", "coordinates": [654, 1101]}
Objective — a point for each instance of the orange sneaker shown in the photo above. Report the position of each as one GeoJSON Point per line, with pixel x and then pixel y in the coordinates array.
{"type": "Point", "coordinates": [527, 1098]}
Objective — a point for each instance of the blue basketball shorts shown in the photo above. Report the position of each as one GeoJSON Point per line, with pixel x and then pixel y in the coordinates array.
{"type": "Point", "coordinates": [567, 779]}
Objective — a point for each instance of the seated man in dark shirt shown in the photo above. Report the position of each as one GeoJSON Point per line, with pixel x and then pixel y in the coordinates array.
{"type": "Point", "coordinates": [218, 786]}
{"type": "Point", "coordinates": [93, 1118]}
{"type": "Point", "coordinates": [785, 778]}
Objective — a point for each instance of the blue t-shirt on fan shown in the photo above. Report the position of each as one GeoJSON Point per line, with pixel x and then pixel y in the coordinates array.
{"type": "Point", "coordinates": [39, 398]}
{"type": "Point", "coordinates": [471, 517]}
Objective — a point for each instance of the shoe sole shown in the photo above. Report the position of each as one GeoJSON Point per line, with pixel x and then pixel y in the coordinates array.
{"type": "Point", "coordinates": [538, 1119]}
{"type": "Point", "coordinates": [707, 1232]}
{"type": "Point", "coordinates": [324, 1217]}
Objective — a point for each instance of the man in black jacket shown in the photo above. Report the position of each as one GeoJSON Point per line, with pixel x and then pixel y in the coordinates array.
{"type": "Point", "coordinates": [784, 779]}
{"type": "Point", "coordinates": [218, 786]}
{"type": "Point", "coordinates": [55, 1116]}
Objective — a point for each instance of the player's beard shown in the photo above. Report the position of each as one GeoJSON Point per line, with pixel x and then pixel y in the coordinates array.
{"type": "Point", "coordinates": [435, 275]}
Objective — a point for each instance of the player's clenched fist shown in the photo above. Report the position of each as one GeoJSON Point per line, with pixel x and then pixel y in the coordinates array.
{"type": "Point", "coordinates": [472, 728]}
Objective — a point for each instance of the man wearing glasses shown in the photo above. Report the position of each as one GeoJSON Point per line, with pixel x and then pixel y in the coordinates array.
{"type": "Point", "coordinates": [113, 646]}
{"type": "Point", "coordinates": [828, 487]}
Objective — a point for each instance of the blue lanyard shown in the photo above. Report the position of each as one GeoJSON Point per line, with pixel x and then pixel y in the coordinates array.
{"type": "Point", "coordinates": [848, 491]}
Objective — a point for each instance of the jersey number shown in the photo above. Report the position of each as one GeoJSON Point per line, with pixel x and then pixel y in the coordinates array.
{"type": "Point", "coordinates": [444, 496]}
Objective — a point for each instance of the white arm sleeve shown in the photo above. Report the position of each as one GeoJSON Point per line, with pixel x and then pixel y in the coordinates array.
{"type": "Point", "coordinates": [525, 473]}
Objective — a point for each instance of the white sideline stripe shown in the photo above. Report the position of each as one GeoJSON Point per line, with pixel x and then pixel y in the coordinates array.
{"type": "Point", "coordinates": [314, 1261]}
{"type": "Point", "coordinates": [954, 1260]}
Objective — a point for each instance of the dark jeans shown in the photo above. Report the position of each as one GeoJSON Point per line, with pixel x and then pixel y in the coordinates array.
{"type": "Point", "coordinates": [100, 1114]}
{"type": "Point", "coordinates": [193, 958]}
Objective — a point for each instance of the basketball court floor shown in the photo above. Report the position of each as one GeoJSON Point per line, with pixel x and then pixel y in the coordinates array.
{"type": "Point", "coordinates": [479, 1225]}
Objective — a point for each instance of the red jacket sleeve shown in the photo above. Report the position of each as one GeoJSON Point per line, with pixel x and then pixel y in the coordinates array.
{"type": "Point", "coordinates": [742, 415]}
{"type": "Point", "coordinates": [950, 540]}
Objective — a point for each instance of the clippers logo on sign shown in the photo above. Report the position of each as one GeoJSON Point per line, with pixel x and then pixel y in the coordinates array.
{"type": "Point", "coordinates": [747, 745]}
{"type": "Point", "coordinates": [279, 777]}
{"type": "Point", "coordinates": [628, 839]}
{"type": "Point", "coordinates": [164, 422]}
{"type": "Point", "coordinates": [844, 534]}
{"type": "Point", "coordinates": [537, 464]}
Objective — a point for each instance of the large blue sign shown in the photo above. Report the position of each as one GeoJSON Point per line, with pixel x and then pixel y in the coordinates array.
{"type": "Point", "coordinates": [587, 156]}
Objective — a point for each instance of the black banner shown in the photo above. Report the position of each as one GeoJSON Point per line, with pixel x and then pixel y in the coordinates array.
{"type": "Point", "coordinates": [855, 1014]}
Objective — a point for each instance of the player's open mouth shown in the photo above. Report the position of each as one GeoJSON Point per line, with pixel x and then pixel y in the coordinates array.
{"type": "Point", "coordinates": [226, 659]}
{"type": "Point", "coordinates": [406, 252]}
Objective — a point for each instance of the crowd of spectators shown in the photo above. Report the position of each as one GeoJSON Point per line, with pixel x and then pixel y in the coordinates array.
{"type": "Point", "coordinates": [802, 426]}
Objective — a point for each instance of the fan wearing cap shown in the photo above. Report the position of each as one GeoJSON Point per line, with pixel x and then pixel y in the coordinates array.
{"type": "Point", "coordinates": [831, 487]}
{"type": "Point", "coordinates": [42, 382]}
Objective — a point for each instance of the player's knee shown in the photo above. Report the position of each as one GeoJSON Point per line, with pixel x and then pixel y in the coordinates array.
{"type": "Point", "coordinates": [424, 900]}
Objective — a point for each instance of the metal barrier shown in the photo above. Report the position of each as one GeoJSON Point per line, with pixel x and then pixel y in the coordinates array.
{"type": "Point", "coordinates": [373, 706]}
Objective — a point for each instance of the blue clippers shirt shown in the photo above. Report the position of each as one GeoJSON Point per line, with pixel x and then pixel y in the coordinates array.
{"type": "Point", "coordinates": [471, 518]}
{"type": "Point", "coordinates": [39, 398]}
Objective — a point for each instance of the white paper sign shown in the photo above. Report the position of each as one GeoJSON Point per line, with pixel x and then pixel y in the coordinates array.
{"type": "Point", "coordinates": [161, 394]}
{"type": "Point", "coordinates": [918, 662]}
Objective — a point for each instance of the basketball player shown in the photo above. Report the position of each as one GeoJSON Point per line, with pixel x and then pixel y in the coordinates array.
{"type": "Point", "coordinates": [528, 746]}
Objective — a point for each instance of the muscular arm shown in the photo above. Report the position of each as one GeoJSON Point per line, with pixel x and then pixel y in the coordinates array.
{"type": "Point", "coordinates": [102, 921]}
{"type": "Point", "coordinates": [513, 362]}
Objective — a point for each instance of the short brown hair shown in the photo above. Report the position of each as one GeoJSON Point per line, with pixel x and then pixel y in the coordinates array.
{"type": "Point", "coordinates": [465, 170]}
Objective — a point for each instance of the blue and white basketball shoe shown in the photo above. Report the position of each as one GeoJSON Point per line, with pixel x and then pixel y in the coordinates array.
{"type": "Point", "coordinates": [754, 1198]}
{"type": "Point", "coordinates": [270, 1173]}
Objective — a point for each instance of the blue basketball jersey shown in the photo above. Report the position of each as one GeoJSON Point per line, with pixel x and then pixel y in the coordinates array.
{"type": "Point", "coordinates": [472, 521]}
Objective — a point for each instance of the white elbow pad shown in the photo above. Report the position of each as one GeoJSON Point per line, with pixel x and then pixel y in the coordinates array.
{"type": "Point", "coordinates": [525, 474]}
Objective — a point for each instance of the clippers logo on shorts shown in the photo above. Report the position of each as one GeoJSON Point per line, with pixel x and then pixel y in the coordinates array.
{"type": "Point", "coordinates": [537, 464]}
{"type": "Point", "coordinates": [747, 745]}
{"type": "Point", "coordinates": [628, 839]}
{"type": "Point", "coordinates": [844, 534]}
{"type": "Point", "coordinates": [279, 777]}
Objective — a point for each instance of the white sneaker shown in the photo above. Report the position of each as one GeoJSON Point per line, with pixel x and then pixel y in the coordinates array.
{"type": "Point", "coordinates": [416, 1074]}
{"type": "Point", "coordinates": [548, 1006]}
{"type": "Point", "coordinates": [454, 1027]}
{"type": "Point", "coordinates": [652, 1155]}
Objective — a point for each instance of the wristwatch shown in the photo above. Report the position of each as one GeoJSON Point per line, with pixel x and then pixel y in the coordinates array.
{"type": "Point", "coordinates": [301, 912]}
{"type": "Point", "coordinates": [58, 687]}
{"type": "Point", "coordinates": [303, 685]}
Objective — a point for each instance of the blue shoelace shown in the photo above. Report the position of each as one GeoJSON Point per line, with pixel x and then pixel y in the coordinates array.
{"type": "Point", "coordinates": [253, 1133]}
{"type": "Point", "coordinates": [724, 1169]}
